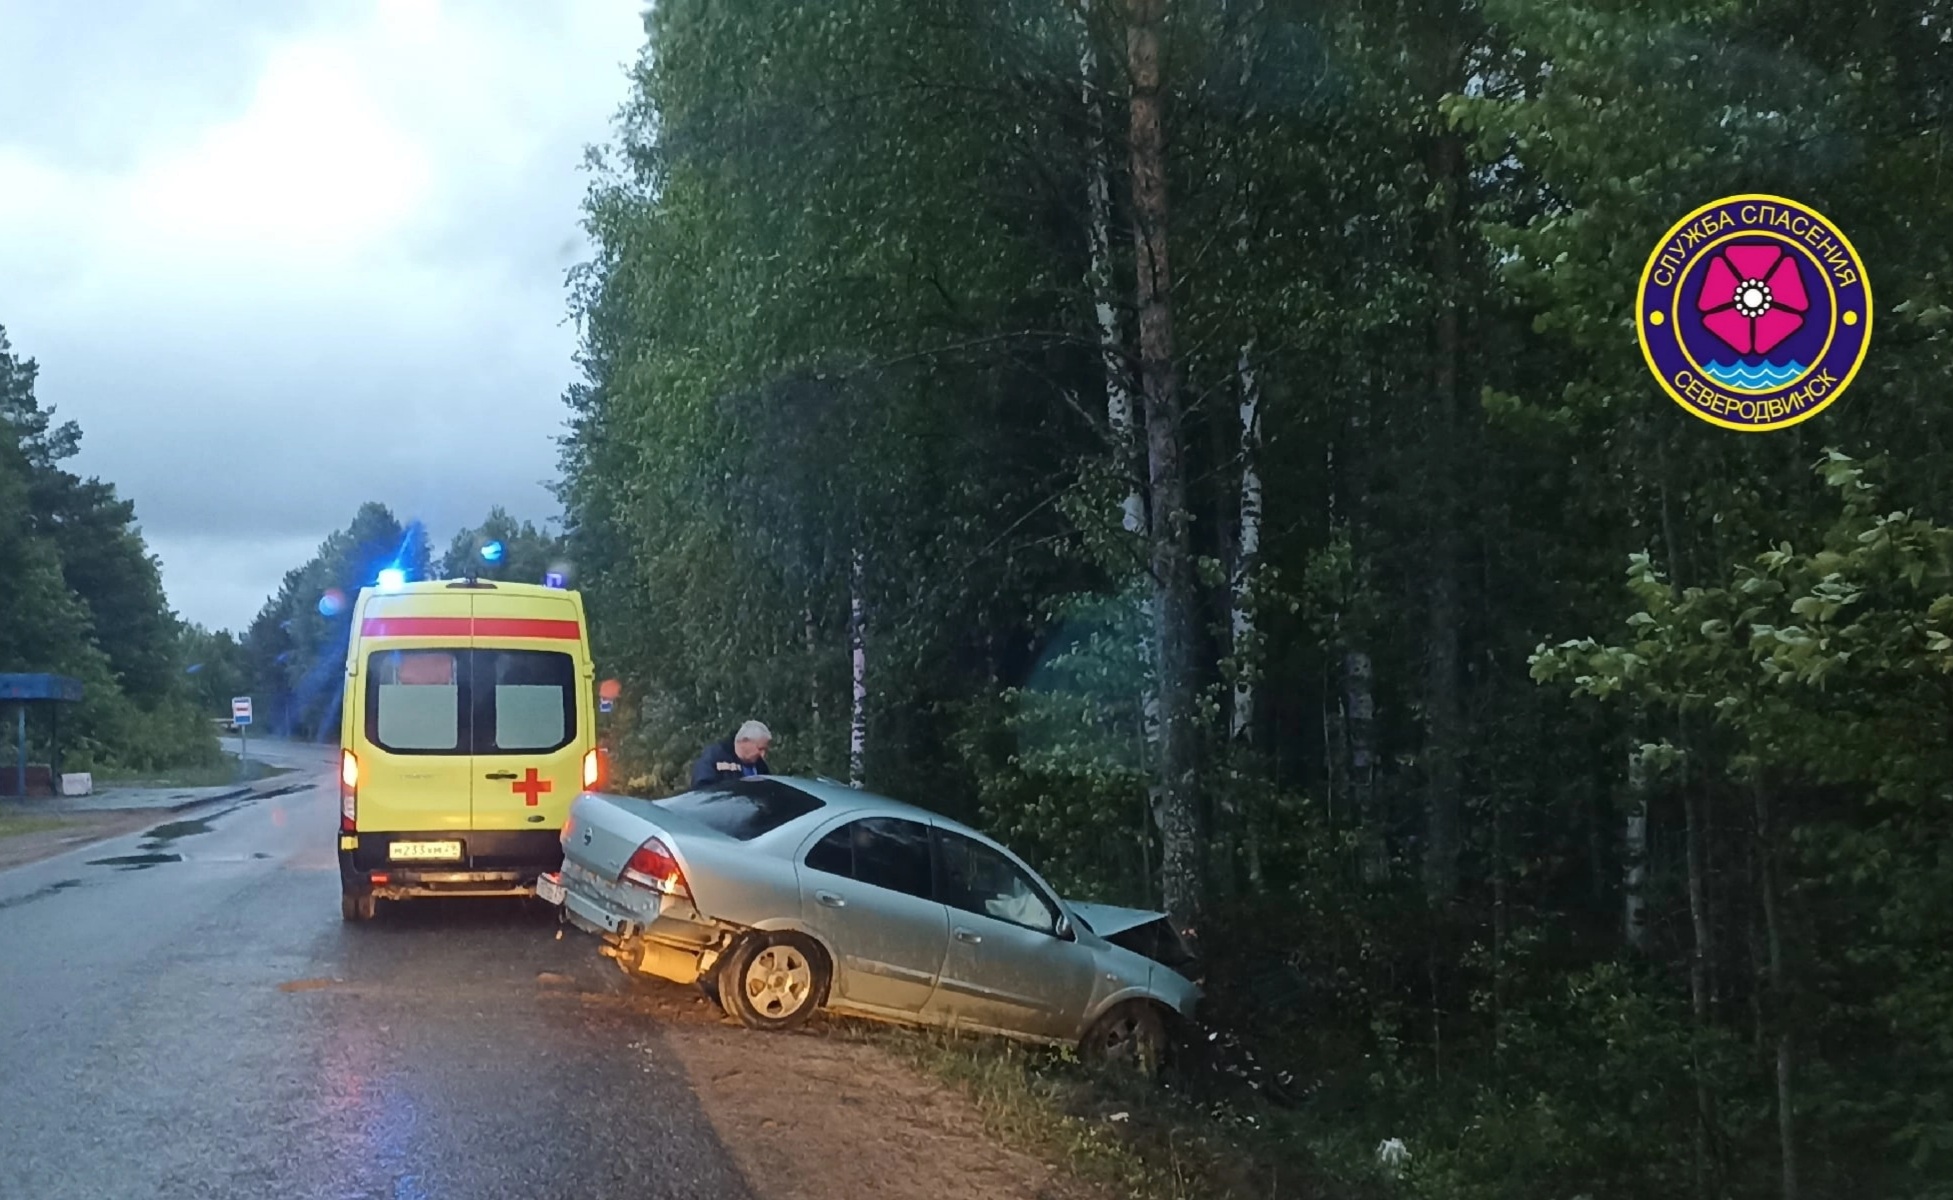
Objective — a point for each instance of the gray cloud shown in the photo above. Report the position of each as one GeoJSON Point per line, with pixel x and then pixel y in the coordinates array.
{"type": "Point", "coordinates": [322, 263]}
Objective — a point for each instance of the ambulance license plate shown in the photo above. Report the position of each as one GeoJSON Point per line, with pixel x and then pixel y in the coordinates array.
{"type": "Point", "coordinates": [550, 888]}
{"type": "Point", "coordinates": [424, 851]}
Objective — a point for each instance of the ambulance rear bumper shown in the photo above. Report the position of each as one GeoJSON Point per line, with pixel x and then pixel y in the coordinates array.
{"type": "Point", "coordinates": [497, 862]}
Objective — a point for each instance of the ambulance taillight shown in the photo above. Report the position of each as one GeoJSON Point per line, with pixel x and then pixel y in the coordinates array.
{"type": "Point", "coordinates": [348, 792]}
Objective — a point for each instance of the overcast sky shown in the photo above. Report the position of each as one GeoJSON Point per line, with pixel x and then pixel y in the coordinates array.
{"type": "Point", "coordinates": [279, 258]}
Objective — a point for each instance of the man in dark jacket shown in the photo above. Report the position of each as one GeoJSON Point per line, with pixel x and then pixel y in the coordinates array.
{"type": "Point", "coordinates": [741, 755]}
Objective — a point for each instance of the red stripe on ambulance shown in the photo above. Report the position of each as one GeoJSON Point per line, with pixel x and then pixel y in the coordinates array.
{"type": "Point", "coordinates": [489, 627]}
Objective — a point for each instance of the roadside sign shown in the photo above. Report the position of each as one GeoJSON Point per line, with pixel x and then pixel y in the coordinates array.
{"type": "Point", "coordinates": [240, 710]}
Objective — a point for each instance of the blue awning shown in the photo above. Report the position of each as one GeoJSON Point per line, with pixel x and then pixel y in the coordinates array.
{"type": "Point", "coordinates": [40, 687]}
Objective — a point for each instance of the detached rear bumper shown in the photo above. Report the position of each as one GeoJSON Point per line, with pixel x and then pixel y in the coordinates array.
{"type": "Point", "coordinates": [500, 862]}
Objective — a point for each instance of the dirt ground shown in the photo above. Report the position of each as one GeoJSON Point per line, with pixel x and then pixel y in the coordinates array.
{"type": "Point", "coordinates": [815, 1115]}
{"type": "Point", "coordinates": [69, 831]}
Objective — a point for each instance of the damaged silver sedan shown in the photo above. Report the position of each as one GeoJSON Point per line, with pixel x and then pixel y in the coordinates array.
{"type": "Point", "coordinates": [783, 896]}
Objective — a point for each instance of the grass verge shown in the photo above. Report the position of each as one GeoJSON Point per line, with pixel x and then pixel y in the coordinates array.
{"type": "Point", "coordinates": [1027, 1101]}
{"type": "Point", "coordinates": [15, 824]}
{"type": "Point", "coordinates": [218, 775]}
{"type": "Point", "coordinates": [1131, 1138]}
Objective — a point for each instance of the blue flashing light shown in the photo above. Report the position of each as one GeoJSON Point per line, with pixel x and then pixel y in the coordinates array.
{"type": "Point", "coordinates": [554, 579]}
{"type": "Point", "coordinates": [392, 579]}
{"type": "Point", "coordinates": [491, 552]}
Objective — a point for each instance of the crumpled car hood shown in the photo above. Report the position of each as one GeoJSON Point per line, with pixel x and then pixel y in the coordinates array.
{"type": "Point", "coordinates": [1109, 919]}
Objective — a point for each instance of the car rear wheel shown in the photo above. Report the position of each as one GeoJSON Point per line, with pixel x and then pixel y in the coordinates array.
{"type": "Point", "coordinates": [773, 980]}
{"type": "Point", "coordinates": [357, 907]}
{"type": "Point", "coordinates": [1131, 1036]}
{"type": "Point", "coordinates": [708, 986]}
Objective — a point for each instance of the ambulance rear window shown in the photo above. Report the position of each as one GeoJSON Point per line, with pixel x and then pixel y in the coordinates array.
{"type": "Point", "coordinates": [525, 701]}
{"type": "Point", "coordinates": [459, 701]}
{"type": "Point", "coordinates": [416, 701]}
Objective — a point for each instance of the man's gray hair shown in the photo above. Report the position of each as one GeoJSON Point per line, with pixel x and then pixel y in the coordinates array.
{"type": "Point", "coordinates": [753, 731]}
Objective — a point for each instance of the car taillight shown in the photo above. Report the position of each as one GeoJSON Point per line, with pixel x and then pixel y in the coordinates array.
{"type": "Point", "coordinates": [654, 866]}
{"type": "Point", "coordinates": [348, 792]}
{"type": "Point", "coordinates": [592, 770]}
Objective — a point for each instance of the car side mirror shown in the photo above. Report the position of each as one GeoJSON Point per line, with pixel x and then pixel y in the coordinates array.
{"type": "Point", "coordinates": [1063, 929]}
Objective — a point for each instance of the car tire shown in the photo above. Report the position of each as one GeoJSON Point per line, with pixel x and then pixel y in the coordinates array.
{"type": "Point", "coordinates": [1129, 1037]}
{"type": "Point", "coordinates": [708, 986]}
{"type": "Point", "coordinates": [773, 980]}
{"type": "Point", "coordinates": [360, 907]}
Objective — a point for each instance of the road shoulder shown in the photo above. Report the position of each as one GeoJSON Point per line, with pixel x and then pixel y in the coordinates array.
{"type": "Point", "coordinates": [45, 837]}
{"type": "Point", "coordinates": [825, 1114]}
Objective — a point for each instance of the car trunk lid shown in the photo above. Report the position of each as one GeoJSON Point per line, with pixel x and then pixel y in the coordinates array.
{"type": "Point", "coordinates": [606, 830]}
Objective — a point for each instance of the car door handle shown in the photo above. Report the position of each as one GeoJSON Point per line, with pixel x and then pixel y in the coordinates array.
{"type": "Point", "coordinates": [964, 935]}
{"type": "Point", "coordinates": [499, 775]}
{"type": "Point", "coordinates": [831, 899]}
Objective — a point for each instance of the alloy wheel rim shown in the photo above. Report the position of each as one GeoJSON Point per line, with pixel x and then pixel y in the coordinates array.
{"type": "Point", "coordinates": [778, 982]}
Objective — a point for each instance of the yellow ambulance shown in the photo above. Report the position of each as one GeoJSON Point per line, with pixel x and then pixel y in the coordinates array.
{"type": "Point", "coordinates": [468, 727]}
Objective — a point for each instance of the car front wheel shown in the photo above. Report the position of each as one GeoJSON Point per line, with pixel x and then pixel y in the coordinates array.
{"type": "Point", "coordinates": [773, 980]}
{"type": "Point", "coordinates": [1130, 1036]}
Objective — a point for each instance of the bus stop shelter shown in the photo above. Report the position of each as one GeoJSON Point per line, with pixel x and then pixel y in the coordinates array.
{"type": "Point", "coordinates": [23, 692]}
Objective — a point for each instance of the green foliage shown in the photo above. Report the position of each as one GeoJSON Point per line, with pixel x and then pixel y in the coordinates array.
{"type": "Point", "coordinates": [219, 668]}
{"type": "Point", "coordinates": [1823, 668]}
{"type": "Point", "coordinates": [842, 309]}
{"type": "Point", "coordinates": [527, 553]}
{"type": "Point", "coordinates": [82, 596]}
{"type": "Point", "coordinates": [296, 646]}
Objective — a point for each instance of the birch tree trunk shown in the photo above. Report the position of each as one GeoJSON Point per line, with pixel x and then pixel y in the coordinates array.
{"type": "Point", "coordinates": [1247, 553]}
{"type": "Point", "coordinates": [1102, 280]}
{"type": "Point", "coordinates": [858, 648]}
{"type": "Point", "coordinates": [1244, 834]}
{"type": "Point", "coordinates": [1695, 853]}
{"type": "Point", "coordinates": [1636, 850]}
{"type": "Point", "coordinates": [1182, 877]}
{"type": "Point", "coordinates": [1694, 834]}
{"type": "Point", "coordinates": [1773, 927]}
{"type": "Point", "coordinates": [1359, 719]}
{"type": "Point", "coordinates": [813, 668]}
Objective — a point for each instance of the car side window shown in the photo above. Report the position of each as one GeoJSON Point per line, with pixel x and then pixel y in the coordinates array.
{"type": "Point", "coordinates": [834, 853]}
{"type": "Point", "coordinates": [885, 852]}
{"type": "Point", "coordinates": [975, 878]}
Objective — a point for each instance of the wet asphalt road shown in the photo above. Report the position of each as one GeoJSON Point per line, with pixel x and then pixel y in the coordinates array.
{"type": "Point", "coordinates": [183, 1014]}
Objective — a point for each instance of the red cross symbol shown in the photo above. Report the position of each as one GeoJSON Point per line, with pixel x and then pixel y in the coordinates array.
{"type": "Point", "coordinates": [531, 788]}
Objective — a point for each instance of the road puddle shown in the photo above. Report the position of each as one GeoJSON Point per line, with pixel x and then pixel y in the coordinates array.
{"type": "Point", "coordinates": [155, 848]}
{"type": "Point", "coordinates": [135, 862]}
{"type": "Point", "coordinates": [182, 829]}
{"type": "Point", "coordinates": [51, 889]}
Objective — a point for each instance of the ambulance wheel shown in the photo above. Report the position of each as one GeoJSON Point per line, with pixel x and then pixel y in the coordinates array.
{"type": "Point", "coordinates": [357, 908]}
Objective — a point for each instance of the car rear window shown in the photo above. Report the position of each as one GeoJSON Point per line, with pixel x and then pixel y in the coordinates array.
{"type": "Point", "coordinates": [745, 810]}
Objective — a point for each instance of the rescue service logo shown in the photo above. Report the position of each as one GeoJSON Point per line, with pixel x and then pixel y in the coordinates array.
{"type": "Point", "coordinates": [1755, 313]}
